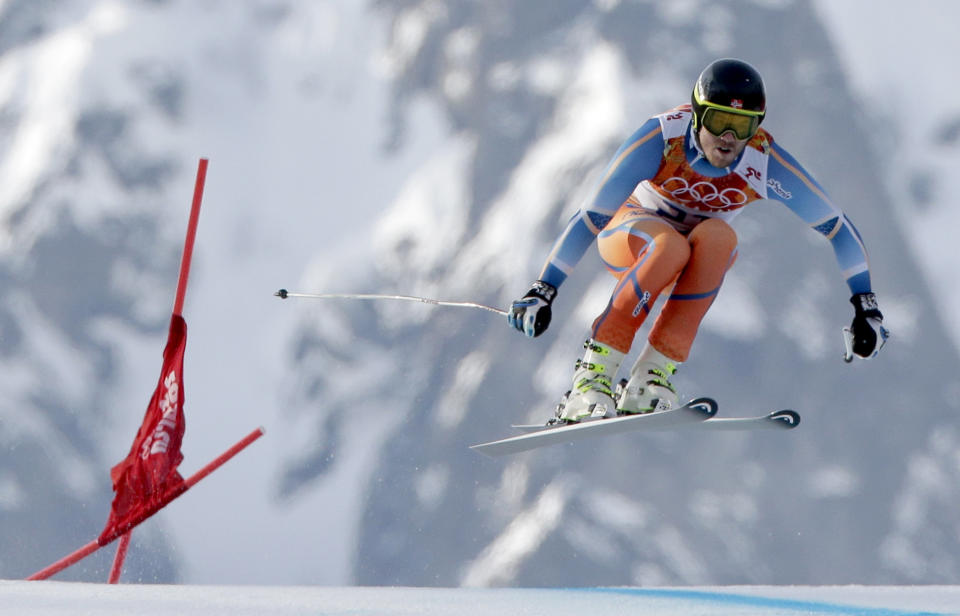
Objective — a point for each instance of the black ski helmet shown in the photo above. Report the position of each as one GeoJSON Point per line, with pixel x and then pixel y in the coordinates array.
{"type": "Point", "coordinates": [730, 83]}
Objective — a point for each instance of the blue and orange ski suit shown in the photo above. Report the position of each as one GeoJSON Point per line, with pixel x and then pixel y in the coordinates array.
{"type": "Point", "coordinates": [661, 214]}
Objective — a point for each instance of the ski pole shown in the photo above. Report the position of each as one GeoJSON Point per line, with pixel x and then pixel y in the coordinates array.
{"type": "Point", "coordinates": [284, 294]}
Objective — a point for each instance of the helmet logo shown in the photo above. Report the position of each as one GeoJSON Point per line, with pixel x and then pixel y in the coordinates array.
{"type": "Point", "coordinates": [736, 103]}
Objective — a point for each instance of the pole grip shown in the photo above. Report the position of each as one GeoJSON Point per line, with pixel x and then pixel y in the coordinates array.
{"type": "Point", "coordinates": [847, 345]}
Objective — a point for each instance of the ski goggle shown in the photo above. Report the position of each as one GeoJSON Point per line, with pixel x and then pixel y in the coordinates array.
{"type": "Point", "coordinates": [719, 119]}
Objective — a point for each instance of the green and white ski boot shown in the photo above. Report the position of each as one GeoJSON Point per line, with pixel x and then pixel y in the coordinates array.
{"type": "Point", "coordinates": [592, 394]}
{"type": "Point", "coordinates": [649, 388]}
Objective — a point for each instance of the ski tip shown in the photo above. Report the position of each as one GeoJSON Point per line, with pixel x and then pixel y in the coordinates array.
{"type": "Point", "coordinates": [282, 294]}
{"type": "Point", "coordinates": [786, 418]}
{"type": "Point", "coordinates": [484, 448]}
{"type": "Point", "coordinates": [707, 406]}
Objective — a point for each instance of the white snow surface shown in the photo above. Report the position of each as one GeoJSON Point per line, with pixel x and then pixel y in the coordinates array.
{"type": "Point", "coordinates": [76, 599]}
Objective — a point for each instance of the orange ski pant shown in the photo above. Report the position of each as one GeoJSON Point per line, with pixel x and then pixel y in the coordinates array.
{"type": "Point", "coordinates": [646, 255]}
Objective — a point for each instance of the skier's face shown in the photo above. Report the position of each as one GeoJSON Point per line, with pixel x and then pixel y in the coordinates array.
{"type": "Point", "coordinates": [723, 150]}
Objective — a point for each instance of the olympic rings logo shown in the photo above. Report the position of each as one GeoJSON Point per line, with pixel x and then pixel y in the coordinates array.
{"type": "Point", "coordinates": [705, 193]}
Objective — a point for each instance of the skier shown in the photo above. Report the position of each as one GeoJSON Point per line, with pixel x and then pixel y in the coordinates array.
{"type": "Point", "coordinates": [661, 215]}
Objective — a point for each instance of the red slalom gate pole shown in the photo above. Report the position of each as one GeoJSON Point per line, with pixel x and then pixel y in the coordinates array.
{"type": "Point", "coordinates": [118, 559]}
{"type": "Point", "coordinates": [221, 459]}
{"type": "Point", "coordinates": [66, 561]}
{"type": "Point", "coordinates": [185, 260]}
{"type": "Point", "coordinates": [94, 545]}
{"type": "Point", "coordinates": [191, 234]}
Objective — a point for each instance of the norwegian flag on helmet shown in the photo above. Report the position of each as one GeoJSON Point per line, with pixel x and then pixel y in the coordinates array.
{"type": "Point", "coordinates": [149, 472]}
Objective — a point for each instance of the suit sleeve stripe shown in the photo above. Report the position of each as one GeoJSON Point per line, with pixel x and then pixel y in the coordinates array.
{"type": "Point", "coordinates": [629, 150]}
{"type": "Point", "coordinates": [802, 176]}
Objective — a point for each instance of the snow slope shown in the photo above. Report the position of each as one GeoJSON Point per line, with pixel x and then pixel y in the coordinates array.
{"type": "Point", "coordinates": [73, 599]}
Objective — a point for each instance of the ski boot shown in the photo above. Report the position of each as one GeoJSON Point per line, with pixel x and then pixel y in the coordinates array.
{"type": "Point", "coordinates": [592, 395]}
{"type": "Point", "coordinates": [649, 388]}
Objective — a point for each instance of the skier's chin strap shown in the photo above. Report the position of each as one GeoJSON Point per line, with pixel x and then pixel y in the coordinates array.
{"type": "Point", "coordinates": [695, 140]}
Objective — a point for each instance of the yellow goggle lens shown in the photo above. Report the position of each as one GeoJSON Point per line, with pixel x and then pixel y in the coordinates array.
{"type": "Point", "coordinates": [718, 121]}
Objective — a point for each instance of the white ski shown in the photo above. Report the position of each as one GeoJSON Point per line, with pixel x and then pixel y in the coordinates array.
{"type": "Point", "coordinates": [695, 411]}
{"type": "Point", "coordinates": [777, 420]}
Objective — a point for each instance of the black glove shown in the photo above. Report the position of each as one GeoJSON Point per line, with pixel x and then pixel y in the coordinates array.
{"type": "Point", "coordinates": [866, 335]}
{"type": "Point", "coordinates": [531, 315]}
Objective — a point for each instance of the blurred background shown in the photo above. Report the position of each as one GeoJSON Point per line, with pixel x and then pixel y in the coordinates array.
{"type": "Point", "coordinates": [437, 148]}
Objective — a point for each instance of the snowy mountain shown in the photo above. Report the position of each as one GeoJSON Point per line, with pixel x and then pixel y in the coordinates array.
{"type": "Point", "coordinates": [107, 108]}
{"type": "Point", "coordinates": [437, 148]}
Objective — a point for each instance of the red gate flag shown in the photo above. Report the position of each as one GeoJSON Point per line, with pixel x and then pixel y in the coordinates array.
{"type": "Point", "coordinates": [149, 472]}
